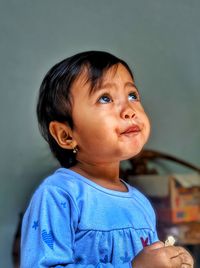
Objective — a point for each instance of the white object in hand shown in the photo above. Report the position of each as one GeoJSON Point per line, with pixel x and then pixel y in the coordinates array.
{"type": "Point", "coordinates": [170, 241]}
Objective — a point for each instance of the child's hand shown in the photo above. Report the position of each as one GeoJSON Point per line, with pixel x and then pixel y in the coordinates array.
{"type": "Point", "coordinates": [159, 256]}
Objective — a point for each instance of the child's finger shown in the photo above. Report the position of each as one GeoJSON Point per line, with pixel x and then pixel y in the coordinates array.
{"type": "Point", "coordinates": [177, 262]}
{"type": "Point", "coordinates": [187, 259]}
{"type": "Point", "coordinates": [156, 245]}
{"type": "Point", "coordinates": [183, 258]}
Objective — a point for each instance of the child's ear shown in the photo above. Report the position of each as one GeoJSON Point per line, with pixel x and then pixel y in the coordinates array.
{"type": "Point", "coordinates": [62, 133]}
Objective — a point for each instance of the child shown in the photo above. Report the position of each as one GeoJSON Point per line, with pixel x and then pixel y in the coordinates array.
{"type": "Point", "coordinates": [84, 215]}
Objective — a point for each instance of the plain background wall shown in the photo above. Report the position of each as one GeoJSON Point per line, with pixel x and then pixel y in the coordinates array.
{"type": "Point", "coordinates": [159, 39]}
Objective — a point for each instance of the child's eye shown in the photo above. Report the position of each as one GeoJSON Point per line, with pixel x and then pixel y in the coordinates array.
{"type": "Point", "coordinates": [132, 96]}
{"type": "Point", "coordinates": [104, 99]}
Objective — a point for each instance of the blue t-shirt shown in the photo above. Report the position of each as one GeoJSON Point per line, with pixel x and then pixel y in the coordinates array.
{"type": "Point", "coordinates": [74, 222]}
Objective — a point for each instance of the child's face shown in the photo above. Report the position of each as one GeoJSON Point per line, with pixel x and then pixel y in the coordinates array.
{"type": "Point", "coordinates": [110, 124]}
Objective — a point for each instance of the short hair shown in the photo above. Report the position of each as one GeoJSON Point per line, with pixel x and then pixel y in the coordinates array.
{"type": "Point", "coordinates": [54, 99]}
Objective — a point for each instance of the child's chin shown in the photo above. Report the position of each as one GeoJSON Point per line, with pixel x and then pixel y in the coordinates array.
{"type": "Point", "coordinates": [131, 154]}
{"type": "Point", "coordinates": [136, 152]}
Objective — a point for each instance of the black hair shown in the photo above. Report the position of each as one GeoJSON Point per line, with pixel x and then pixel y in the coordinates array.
{"type": "Point", "coordinates": [54, 100]}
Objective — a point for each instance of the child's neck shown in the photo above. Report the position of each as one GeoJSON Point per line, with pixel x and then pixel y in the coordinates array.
{"type": "Point", "coordinates": [106, 175]}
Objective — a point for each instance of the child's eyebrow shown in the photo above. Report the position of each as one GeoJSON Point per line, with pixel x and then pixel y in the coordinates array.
{"type": "Point", "coordinates": [110, 85]}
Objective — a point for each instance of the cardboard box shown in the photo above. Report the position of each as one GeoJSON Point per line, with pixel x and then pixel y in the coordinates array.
{"type": "Point", "coordinates": [175, 197]}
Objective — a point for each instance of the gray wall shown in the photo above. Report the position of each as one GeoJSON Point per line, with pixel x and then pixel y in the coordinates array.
{"type": "Point", "coordinates": [159, 39]}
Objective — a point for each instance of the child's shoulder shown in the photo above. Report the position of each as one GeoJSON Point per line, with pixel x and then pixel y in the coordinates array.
{"type": "Point", "coordinates": [137, 193]}
{"type": "Point", "coordinates": [60, 184]}
{"type": "Point", "coordinates": [142, 199]}
{"type": "Point", "coordinates": [61, 177]}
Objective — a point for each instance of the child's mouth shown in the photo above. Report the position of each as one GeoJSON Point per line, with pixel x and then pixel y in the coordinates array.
{"type": "Point", "coordinates": [132, 129]}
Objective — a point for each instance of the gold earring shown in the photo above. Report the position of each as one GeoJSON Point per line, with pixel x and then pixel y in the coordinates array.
{"type": "Point", "coordinates": [75, 150]}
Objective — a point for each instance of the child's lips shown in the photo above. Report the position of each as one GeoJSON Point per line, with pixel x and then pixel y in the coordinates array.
{"type": "Point", "coordinates": [134, 129]}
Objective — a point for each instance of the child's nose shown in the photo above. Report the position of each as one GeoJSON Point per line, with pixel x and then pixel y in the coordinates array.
{"type": "Point", "coordinates": [128, 113]}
